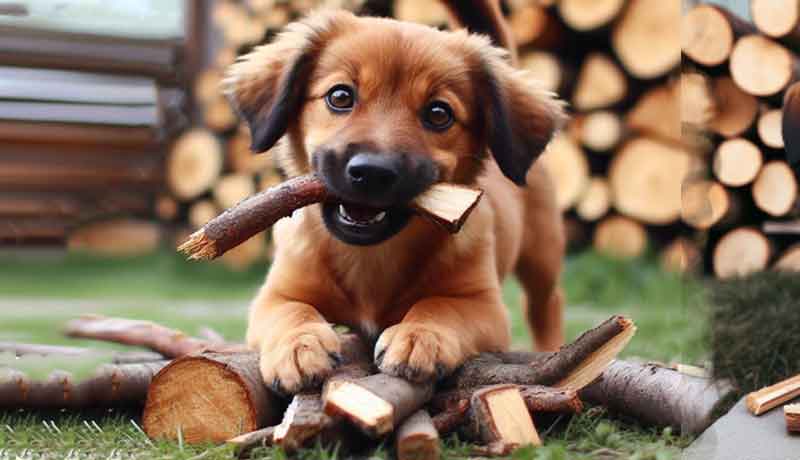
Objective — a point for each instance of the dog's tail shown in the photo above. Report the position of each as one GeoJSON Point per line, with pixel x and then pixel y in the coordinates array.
{"type": "Point", "coordinates": [483, 17]}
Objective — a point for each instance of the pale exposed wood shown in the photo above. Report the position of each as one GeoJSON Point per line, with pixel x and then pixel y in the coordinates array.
{"type": "Point", "coordinates": [657, 113]}
{"type": "Point", "coordinates": [448, 205]}
{"type": "Point", "coordinates": [246, 254]}
{"type": "Point", "coordinates": [166, 208]}
{"type": "Point", "coordinates": [201, 212]}
{"type": "Point", "coordinates": [737, 162]}
{"type": "Point", "coordinates": [601, 83]}
{"type": "Point", "coordinates": [583, 15]}
{"type": "Point", "coordinates": [232, 189]}
{"type": "Point", "coordinates": [769, 128]}
{"type": "Point", "coordinates": [791, 413]}
{"type": "Point", "coordinates": [620, 237]}
{"type": "Point", "coordinates": [696, 101]}
{"type": "Point", "coordinates": [766, 399]}
{"type": "Point", "coordinates": [533, 25]}
{"type": "Point", "coordinates": [762, 67]}
{"type": "Point", "coordinates": [499, 415]}
{"type": "Point", "coordinates": [566, 162]}
{"type": "Point", "coordinates": [117, 237]}
{"type": "Point", "coordinates": [647, 38]}
{"type": "Point", "coordinates": [777, 18]}
{"type": "Point", "coordinates": [775, 189]}
{"type": "Point", "coordinates": [194, 164]}
{"type": "Point", "coordinates": [417, 438]}
{"type": "Point", "coordinates": [218, 114]}
{"type": "Point", "coordinates": [646, 177]}
{"type": "Point", "coordinates": [736, 110]}
{"type": "Point", "coordinates": [708, 33]}
{"type": "Point", "coordinates": [599, 131]}
{"type": "Point", "coordinates": [740, 252]}
{"type": "Point", "coordinates": [596, 200]}
{"type": "Point", "coordinates": [789, 261]}
{"type": "Point", "coordinates": [545, 67]}
{"type": "Point", "coordinates": [207, 85]}
{"type": "Point", "coordinates": [226, 398]}
{"type": "Point", "coordinates": [705, 203]}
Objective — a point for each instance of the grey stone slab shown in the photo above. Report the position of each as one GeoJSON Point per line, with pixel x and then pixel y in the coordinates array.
{"type": "Point", "coordinates": [740, 435]}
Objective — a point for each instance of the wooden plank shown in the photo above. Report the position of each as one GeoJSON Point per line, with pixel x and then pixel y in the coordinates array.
{"type": "Point", "coordinates": [80, 113]}
{"type": "Point", "coordinates": [61, 50]}
{"type": "Point", "coordinates": [63, 134]}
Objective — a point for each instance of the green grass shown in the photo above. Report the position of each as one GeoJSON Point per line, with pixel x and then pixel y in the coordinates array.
{"type": "Point", "coordinates": [41, 294]}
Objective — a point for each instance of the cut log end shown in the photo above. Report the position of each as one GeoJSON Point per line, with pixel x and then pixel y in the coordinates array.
{"type": "Point", "coordinates": [741, 252]}
{"type": "Point", "coordinates": [737, 162]}
{"type": "Point", "coordinates": [199, 247]}
{"type": "Point", "coordinates": [760, 66]}
{"type": "Point", "coordinates": [417, 438]}
{"type": "Point", "coordinates": [620, 237]}
{"type": "Point", "coordinates": [583, 15]}
{"type": "Point", "coordinates": [775, 190]}
{"type": "Point", "coordinates": [736, 110]}
{"type": "Point", "coordinates": [706, 35]}
{"type": "Point", "coordinates": [448, 205]}
{"type": "Point", "coordinates": [776, 18]}
{"type": "Point", "coordinates": [645, 47]}
{"type": "Point", "coordinates": [359, 405]}
{"type": "Point", "coordinates": [769, 128]}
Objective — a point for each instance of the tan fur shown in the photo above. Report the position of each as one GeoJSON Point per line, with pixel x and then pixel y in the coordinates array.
{"type": "Point", "coordinates": [434, 298]}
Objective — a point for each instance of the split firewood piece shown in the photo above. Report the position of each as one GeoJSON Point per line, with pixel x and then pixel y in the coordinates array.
{"type": "Point", "coordinates": [378, 403]}
{"type": "Point", "coordinates": [762, 67]}
{"type": "Point", "coordinates": [499, 415]}
{"type": "Point", "coordinates": [537, 398]}
{"type": "Point", "coordinates": [210, 397]}
{"type": "Point", "coordinates": [792, 414]}
{"type": "Point", "coordinates": [446, 204]}
{"type": "Point", "coordinates": [765, 399]}
{"type": "Point", "coordinates": [572, 367]}
{"type": "Point", "coordinates": [708, 33]}
{"type": "Point", "coordinates": [775, 190]}
{"type": "Point", "coordinates": [789, 261]}
{"type": "Point", "coordinates": [706, 203]}
{"type": "Point", "coordinates": [740, 252]}
{"type": "Point", "coordinates": [657, 395]}
{"type": "Point", "coordinates": [109, 385]}
{"type": "Point", "coordinates": [169, 342]}
{"type": "Point", "coordinates": [114, 357]}
{"type": "Point", "coordinates": [245, 443]}
{"type": "Point", "coordinates": [417, 438]}
{"type": "Point", "coordinates": [600, 131]}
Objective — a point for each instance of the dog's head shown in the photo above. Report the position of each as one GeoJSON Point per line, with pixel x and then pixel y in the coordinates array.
{"type": "Point", "coordinates": [382, 109]}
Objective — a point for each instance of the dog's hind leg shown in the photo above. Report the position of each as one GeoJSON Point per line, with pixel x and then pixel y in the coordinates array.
{"type": "Point", "coordinates": [539, 264]}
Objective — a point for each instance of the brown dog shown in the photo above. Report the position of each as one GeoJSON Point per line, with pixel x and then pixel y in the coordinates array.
{"type": "Point", "coordinates": [381, 110]}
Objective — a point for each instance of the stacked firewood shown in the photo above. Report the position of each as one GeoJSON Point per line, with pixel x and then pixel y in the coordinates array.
{"type": "Point", "coordinates": [207, 390]}
{"type": "Point", "coordinates": [734, 80]}
{"type": "Point", "coordinates": [84, 121]}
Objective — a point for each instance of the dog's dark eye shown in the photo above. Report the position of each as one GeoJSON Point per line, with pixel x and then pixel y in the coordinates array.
{"type": "Point", "coordinates": [340, 98]}
{"type": "Point", "coordinates": [438, 116]}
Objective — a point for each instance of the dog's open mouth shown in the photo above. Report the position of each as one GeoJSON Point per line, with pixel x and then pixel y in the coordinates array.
{"type": "Point", "coordinates": [364, 225]}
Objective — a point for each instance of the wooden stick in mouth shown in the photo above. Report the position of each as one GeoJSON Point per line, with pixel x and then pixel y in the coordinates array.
{"type": "Point", "coordinates": [448, 205]}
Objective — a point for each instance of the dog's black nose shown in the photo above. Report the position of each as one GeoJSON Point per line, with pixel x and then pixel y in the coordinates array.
{"type": "Point", "coordinates": [373, 173]}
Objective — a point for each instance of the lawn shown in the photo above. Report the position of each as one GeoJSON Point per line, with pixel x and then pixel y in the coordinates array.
{"type": "Point", "coordinates": [39, 294]}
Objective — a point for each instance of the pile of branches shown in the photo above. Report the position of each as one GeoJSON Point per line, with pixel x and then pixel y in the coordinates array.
{"type": "Point", "coordinates": [209, 390]}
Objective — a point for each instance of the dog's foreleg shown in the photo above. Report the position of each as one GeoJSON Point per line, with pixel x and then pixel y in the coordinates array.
{"type": "Point", "coordinates": [439, 333]}
{"type": "Point", "coordinates": [299, 349]}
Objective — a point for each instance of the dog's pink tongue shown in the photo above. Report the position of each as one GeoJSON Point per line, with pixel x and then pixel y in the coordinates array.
{"type": "Point", "coordinates": [361, 213]}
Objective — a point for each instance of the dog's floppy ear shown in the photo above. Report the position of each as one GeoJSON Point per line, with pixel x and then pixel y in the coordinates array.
{"type": "Point", "coordinates": [268, 85]}
{"type": "Point", "coordinates": [522, 119]}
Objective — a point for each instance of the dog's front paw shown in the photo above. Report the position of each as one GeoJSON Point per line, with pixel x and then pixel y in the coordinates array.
{"type": "Point", "coordinates": [417, 352]}
{"type": "Point", "coordinates": [302, 359]}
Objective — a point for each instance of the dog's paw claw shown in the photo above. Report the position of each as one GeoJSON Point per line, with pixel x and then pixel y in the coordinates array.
{"type": "Point", "coordinates": [302, 360]}
{"type": "Point", "coordinates": [416, 353]}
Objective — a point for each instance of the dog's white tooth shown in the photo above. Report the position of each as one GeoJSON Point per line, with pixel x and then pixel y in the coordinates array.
{"type": "Point", "coordinates": [379, 217]}
{"type": "Point", "coordinates": [343, 212]}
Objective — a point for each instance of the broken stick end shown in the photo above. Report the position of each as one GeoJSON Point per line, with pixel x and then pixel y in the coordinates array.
{"type": "Point", "coordinates": [199, 247]}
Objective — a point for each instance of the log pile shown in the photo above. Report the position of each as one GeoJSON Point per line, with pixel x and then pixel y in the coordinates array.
{"type": "Point", "coordinates": [743, 203]}
{"type": "Point", "coordinates": [208, 390]}
{"type": "Point", "coordinates": [84, 121]}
